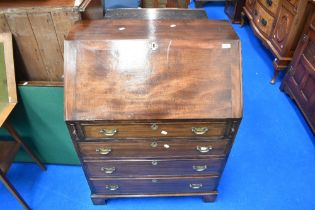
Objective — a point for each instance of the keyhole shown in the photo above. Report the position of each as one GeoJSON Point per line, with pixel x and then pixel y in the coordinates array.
{"type": "Point", "coordinates": [154, 46]}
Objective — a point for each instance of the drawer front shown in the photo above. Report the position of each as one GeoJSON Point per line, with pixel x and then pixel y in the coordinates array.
{"type": "Point", "coordinates": [160, 167]}
{"type": "Point", "coordinates": [271, 5]}
{"type": "Point", "coordinates": [144, 130]}
{"type": "Point", "coordinates": [282, 29]}
{"type": "Point", "coordinates": [154, 185]}
{"type": "Point", "coordinates": [263, 20]}
{"type": "Point", "coordinates": [149, 149]}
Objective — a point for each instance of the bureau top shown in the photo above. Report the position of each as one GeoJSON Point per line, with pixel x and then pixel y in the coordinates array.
{"type": "Point", "coordinates": [152, 69]}
{"type": "Point", "coordinates": [122, 29]}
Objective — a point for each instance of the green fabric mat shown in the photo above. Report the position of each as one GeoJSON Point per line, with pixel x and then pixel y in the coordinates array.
{"type": "Point", "coordinates": [39, 119]}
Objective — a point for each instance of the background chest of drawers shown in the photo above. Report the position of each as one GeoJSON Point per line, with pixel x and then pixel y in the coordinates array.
{"type": "Point", "coordinates": [145, 119]}
{"type": "Point", "coordinates": [299, 82]}
{"type": "Point", "coordinates": [279, 24]}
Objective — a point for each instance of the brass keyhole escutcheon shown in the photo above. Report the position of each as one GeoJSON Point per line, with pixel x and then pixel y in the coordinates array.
{"type": "Point", "coordinates": [112, 187]}
{"type": "Point", "coordinates": [154, 126]}
{"type": "Point", "coordinates": [154, 162]}
{"type": "Point", "coordinates": [154, 144]}
{"type": "Point", "coordinates": [154, 46]}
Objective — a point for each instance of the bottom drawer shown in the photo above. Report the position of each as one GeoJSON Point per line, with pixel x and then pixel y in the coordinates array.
{"type": "Point", "coordinates": [155, 185]}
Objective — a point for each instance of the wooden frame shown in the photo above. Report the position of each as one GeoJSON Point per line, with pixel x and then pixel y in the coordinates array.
{"type": "Point", "coordinates": [7, 106]}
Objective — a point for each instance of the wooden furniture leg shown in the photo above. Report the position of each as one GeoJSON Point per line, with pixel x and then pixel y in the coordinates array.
{"type": "Point", "coordinates": [209, 198]}
{"type": "Point", "coordinates": [278, 66]}
{"type": "Point", "coordinates": [18, 139]}
{"type": "Point", "coordinates": [99, 201]}
{"type": "Point", "coordinates": [10, 187]}
{"type": "Point", "coordinates": [243, 19]}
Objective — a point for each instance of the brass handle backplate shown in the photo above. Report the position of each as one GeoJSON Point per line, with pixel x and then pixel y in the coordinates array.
{"type": "Point", "coordinates": [199, 130]}
{"type": "Point", "coordinates": [263, 21]}
{"type": "Point", "coordinates": [195, 186]}
{"type": "Point", "coordinates": [269, 2]}
{"type": "Point", "coordinates": [109, 132]}
{"type": "Point", "coordinates": [200, 168]}
{"type": "Point", "coordinates": [112, 187]}
{"type": "Point", "coordinates": [103, 151]}
{"type": "Point", "coordinates": [204, 149]}
{"type": "Point", "coordinates": [108, 170]}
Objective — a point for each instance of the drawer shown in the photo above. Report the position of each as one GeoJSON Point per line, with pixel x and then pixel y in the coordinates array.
{"type": "Point", "coordinates": [139, 130]}
{"type": "Point", "coordinates": [145, 130]}
{"type": "Point", "coordinates": [151, 149]}
{"type": "Point", "coordinates": [159, 167]}
{"type": "Point", "coordinates": [282, 29]}
{"type": "Point", "coordinates": [154, 185]}
{"type": "Point", "coordinates": [263, 20]}
{"type": "Point", "coordinates": [271, 5]}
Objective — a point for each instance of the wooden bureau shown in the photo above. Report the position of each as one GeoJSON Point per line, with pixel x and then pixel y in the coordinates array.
{"type": "Point", "coordinates": [299, 82]}
{"type": "Point", "coordinates": [153, 106]}
{"type": "Point", "coordinates": [279, 24]}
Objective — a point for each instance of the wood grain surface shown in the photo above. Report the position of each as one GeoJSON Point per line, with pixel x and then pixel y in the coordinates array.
{"type": "Point", "coordinates": [155, 14]}
{"type": "Point", "coordinates": [142, 168]}
{"type": "Point", "coordinates": [142, 149]}
{"type": "Point", "coordinates": [155, 185]}
{"type": "Point", "coordinates": [163, 69]}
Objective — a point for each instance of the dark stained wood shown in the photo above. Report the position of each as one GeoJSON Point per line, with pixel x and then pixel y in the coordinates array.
{"type": "Point", "coordinates": [100, 199]}
{"type": "Point", "coordinates": [109, 30]}
{"type": "Point", "coordinates": [233, 9]}
{"type": "Point", "coordinates": [157, 167]}
{"type": "Point", "coordinates": [165, 3]}
{"type": "Point", "coordinates": [154, 185]}
{"type": "Point", "coordinates": [141, 130]}
{"type": "Point", "coordinates": [156, 14]}
{"type": "Point", "coordinates": [144, 149]}
{"type": "Point", "coordinates": [134, 90]}
{"type": "Point", "coordinates": [152, 106]}
{"type": "Point", "coordinates": [299, 82]}
{"type": "Point", "coordinates": [279, 24]}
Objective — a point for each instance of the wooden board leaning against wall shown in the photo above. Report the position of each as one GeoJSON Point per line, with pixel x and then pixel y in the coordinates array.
{"type": "Point", "coordinates": [39, 28]}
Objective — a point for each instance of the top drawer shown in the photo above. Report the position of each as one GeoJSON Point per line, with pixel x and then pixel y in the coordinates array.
{"type": "Point", "coordinates": [263, 20]}
{"type": "Point", "coordinates": [271, 5]}
{"type": "Point", "coordinates": [149, 130]}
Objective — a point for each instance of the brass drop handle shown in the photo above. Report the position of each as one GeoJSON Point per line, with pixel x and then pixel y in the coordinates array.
{"type": "Point", "coordinates": [199, 130]}
{"type": "Point", "coordinates": [108, 170]}
{"type": "Point", "coordinates": [269, 2]}
{"type": "Point", "coordinates": [109, 132]}
{"type": "Point", "coordinates": [263, 21]}
{"type": "Point", "coordinates": [195, 186]}
{"type": "Point", "coordinates": [103, 151]}
{"type": "Point", "coordinates": [200, 168]}
{"type": "Point", "coordinates": [112, 187]}
{"type": "Point", "coordinates": [204, 149]}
